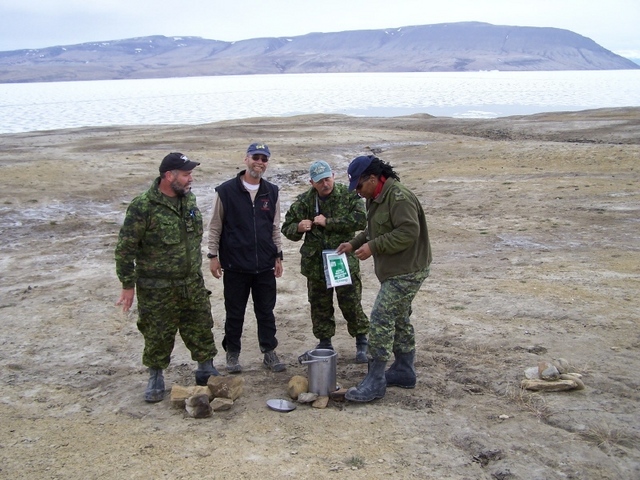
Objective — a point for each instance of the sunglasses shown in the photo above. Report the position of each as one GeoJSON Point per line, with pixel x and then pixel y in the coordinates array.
{"type": "Point", "coordinates": [361, 181]}
{"type": "Point", "coordinates": [262, 158]}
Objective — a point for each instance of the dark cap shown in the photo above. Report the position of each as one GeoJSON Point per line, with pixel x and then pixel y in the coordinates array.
{"type": "Point", "coordinates": [260, 148]}
{"type": "Point", "coordinates": [177, 161]}
{"type": "Point", "coordinates": [356, 168]}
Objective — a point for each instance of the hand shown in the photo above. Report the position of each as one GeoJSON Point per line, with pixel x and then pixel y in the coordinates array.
{"type": "Point", "coordinates": [214, 266]}
{"type": "Point", "coordinates": [304, 226]}
{"type": "Point", "coordinates": [345, 247]}
{"type": "Point", "coordinates": [363, 252]}
{"type": "Point", "coordinates": [320, 220]}
{"type": "Point", "coordinates": [126, 298]}
{"type": "Point", "coordinates": [279, 268]}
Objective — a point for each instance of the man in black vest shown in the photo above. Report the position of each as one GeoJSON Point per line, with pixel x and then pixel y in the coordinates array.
{"type": "Point", "coordinates": [245, 243]}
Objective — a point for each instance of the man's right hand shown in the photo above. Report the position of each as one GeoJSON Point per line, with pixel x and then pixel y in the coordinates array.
{"type": "Point", "coordinates": [214, 266]}
{"type": "Point", "coordinates": [126, 298]}
{"type": "Point", "coordinates": [345, 247]}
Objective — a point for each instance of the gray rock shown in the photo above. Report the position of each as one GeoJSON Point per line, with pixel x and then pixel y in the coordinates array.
{"type": "Point", "coordinates": [562, 365]}
{"type": "Point", "coordinates": [307, 397]}
{"type": "Point", "coordinates": [198, 406]}
{"type": "Point", "coordinates": [547, 371]}
{"type": "Point", "coordinates": [531, 373]}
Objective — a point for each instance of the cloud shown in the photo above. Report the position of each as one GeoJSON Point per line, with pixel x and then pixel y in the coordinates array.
{"type": "Point", "coordinates": [635, 54]}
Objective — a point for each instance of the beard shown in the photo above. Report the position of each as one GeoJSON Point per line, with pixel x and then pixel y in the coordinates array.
{"type": "Point", "coordinates": [180, 190]}
{"type": "Point", "coordinates": [255, 174]}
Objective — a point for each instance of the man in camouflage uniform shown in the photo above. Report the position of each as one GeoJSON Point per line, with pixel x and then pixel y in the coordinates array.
{"type": "Point", "coordinates": [158, 253]}
{"type": "Point", "coordinates": [397, 238]}
{"type": "Point", "coordinates": [327, 215]}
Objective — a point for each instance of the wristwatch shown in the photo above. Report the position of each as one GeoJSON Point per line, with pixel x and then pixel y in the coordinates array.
{"type": "Point", "coordinates": [211, 255]}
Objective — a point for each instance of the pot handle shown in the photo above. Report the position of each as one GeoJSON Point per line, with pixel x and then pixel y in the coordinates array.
{"type": "Point", "coordinates": [303, 357]}
{"type": "Point", "coordinates": [304, 362]}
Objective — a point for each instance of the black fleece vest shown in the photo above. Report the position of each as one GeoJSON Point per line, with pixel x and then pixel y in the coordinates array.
{"type": "Point", "coordinates": [246, 242]}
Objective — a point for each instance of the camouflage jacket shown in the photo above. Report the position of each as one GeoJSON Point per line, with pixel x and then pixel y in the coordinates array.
{"type": "Point", "coordinates": [159, 242]}
{"type": "Point", "coordinates": [345, 216]}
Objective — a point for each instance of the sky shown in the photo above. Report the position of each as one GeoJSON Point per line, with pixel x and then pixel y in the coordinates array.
{"type": "Point", "coordinates": [24, 24]}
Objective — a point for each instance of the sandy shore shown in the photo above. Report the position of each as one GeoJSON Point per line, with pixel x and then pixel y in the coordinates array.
{"type": "Point", "coordinates": [534, 222]}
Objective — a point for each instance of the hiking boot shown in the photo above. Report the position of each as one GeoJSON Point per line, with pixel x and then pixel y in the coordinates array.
{"type": "Point", "coordinates": [272, 362]}
{"type": "Point", "coordinates": [362, 345]}
{"type": "Point", "coordinates": [204, 371]}
{"type": "Point", "coordinates": [233, 363]}
{"type": "Point", "coordinates": [155, 388]}
{"type": "Point", "coordinates": [325, 343]}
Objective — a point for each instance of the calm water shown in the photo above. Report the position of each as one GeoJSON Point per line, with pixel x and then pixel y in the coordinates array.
{"type": "Point", "coordinates": [197, 100]}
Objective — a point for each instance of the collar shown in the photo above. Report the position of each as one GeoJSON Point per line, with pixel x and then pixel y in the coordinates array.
{"type": "Point", "coordinates": [378, 190]}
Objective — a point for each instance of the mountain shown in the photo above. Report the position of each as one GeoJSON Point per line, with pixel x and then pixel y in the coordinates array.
{"type": "Point", "coordinates": [459, 47]}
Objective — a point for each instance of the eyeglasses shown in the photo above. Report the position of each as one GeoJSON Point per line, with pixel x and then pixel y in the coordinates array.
{"type": "Point", "coordinates": [262, 158]}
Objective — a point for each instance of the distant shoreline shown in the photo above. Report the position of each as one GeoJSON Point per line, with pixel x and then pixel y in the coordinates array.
{"type": "Point", "coordinates": [203, 100]}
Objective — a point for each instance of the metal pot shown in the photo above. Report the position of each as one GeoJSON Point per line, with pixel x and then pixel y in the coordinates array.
{"type": "Point", "coordinates": [322, 370]}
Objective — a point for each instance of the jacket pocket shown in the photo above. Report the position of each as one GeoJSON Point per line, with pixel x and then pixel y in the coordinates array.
{"type": "Point", "coordinates": [382, 223]}
{"type": "Point", "coordinates": [309, 251]}
{"type": "Point", "coordinates": [169, 232]}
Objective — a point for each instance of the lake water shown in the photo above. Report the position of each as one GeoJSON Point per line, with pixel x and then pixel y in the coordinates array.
{"type": "Point", "coordinates": [196, 100]}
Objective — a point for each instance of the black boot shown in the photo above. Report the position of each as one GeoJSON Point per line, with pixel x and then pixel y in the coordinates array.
{"type": "Point", "coordinates": [361, 348]}
{"type": "Point", "coordinates": [402, 372]}
{"type": "Point", "coordinates": [155, 388]}
{"type": "Point", "coordinates": [204, 371]}
{"type": "Point", "coordinates": [325, 343]}
{"type": "Point", "coordinates": [373, 386]}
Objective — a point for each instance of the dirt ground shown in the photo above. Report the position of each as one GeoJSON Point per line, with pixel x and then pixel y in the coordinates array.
{"type": "Point", "coordinates": [534, 223]}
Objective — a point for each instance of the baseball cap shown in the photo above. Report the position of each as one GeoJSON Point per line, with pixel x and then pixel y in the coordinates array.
{"type": "Point", "coordinates": [177, 161]}
{"type": "Point", "coordinates": [356, 168]}
{"type": "Point", "coordinates": [319, 170]}
{"type": "Point", "coordinates": [258, 148]}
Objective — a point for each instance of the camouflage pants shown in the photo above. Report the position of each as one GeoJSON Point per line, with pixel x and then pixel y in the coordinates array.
{"type": "Point", "coordinates": [391, 329]}
{"type": "Point", "coordinates": [349, 300]}
{"type": "Point", "coordinates": [162, 312]}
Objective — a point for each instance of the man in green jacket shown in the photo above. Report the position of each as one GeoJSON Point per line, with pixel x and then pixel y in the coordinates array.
{"type": "Point", "coordinates": [397, 238]}
{"type": "Point", "coordinates": [326, 215]}
{"type": "Point", "coordinates": [158, 253]}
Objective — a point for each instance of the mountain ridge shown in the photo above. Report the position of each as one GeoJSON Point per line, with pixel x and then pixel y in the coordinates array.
{"type": "Point", "coordinates": [446, 47]}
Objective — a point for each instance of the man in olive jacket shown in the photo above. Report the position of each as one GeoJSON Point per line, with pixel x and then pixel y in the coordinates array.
{"type": "Point", "coordinates": [326, 215]}
{"type": "Point", "coordinates": [398, 239]}
{"type": "Point", "coordinates": [158, 253]}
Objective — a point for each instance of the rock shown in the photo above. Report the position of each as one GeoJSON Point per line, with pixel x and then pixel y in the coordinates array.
{"type": "Point", "coordinates": [547, 371]}
{"type": "Point", "coordinates": [320, 402]}
{"type": "Point", "coordinates": [198, 406]}
{"type": "Point", "coordinates": [531, 372]}
{"type": "Point", "coordinates": [220, 404]}
{"type": "Point", "coordinates": [549, 386]}
{"type": "Point", "coordinates": [226, 387]}
{"type": "Point", "coordinates": [338, 395]}
{"type": "Point", "coordinates": [575, 378]}
{"type": "Point", "coordinates": [562, 365]}
{"type": "Point", "coordinates": [307, 397]}
{"type": "Point", "coordinates": [297, 385]}
{"type": "Point", "coordinates": [537, 349]}
{"type": "Point", "coordinates": [179, 394]}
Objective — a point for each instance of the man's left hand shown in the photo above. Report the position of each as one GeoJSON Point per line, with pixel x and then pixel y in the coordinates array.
{"type": "Point", "coordinates": [320, 220]}
{"type": "Point", "coordinates": [363, 252]}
